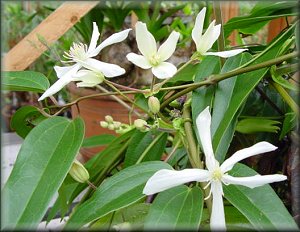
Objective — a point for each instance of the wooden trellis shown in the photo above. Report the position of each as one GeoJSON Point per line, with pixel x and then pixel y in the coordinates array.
{"type": "Point", "coordinates": [51, 29]}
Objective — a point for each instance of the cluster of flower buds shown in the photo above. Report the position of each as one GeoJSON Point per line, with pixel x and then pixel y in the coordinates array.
{"type": "Point", "coordinates": [110, 124]}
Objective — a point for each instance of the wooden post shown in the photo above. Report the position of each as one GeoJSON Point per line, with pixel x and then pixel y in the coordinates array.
{"type": "Point", "coordinates": [51, 29]}
{"type": "Point", "coordinates": [230, 9]}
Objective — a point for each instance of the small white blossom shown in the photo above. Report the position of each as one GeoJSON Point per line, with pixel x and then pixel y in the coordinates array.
{"type": "Point", "coordinates": [205, 42]}
{"type": "Point", "coordinates": [215, 175]}
{"type": "Point", "coordinates": [81, 55]}
{"type": "Point", "coordinates": [151, 57]}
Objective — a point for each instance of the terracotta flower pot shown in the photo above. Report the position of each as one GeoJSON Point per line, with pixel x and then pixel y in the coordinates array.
{"type": "Point", "coordinates": [93, 110]}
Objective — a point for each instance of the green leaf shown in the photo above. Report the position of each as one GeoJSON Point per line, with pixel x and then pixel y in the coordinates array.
{"type": "Point", "coordinates": [116, 192]}
{"type": "Point", "coordinates": [25, 81]}
{"type": "Point", "coordinates": [98, 140]}
{"type": "Point", "coordinates": [132, 216]}
{"type": "Point", "coordinates": [186, 74]}
{"type": "Point", "coordinates": [24, 120]}
{"type": "Point", "coordinates": [281, 81]}
{"type": "Point", "coordinates": [176, 208]}
{"type": "Point", "coordinates": [145, 147]}
{"type": "Point", "coordinates": [260, 205]}
{"type": "Point", "coordinates": [42, 164]}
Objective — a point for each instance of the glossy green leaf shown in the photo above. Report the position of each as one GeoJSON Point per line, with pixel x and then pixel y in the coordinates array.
{"type": "Point", "coordinates": [42, 164]}
{"type": "Point", "coordinates": [186, 74]}
{"type": "Point", "coordinates": [98, 140]}
{"type": "Point", "coordinates": [145, 147]}
{"type": "Point", "coordinates": [260, 205]}
{"type": "Point", "coordinates": [281, 81]}
{"type": "Point", "coordinates": [176, 208]}
{"type": "Point", "coordinates": [25, 119]}
{"type": "Point", "coordinates": [25, 81]}
{"type": "Point", "coordinates": [116, 192]}
{"type": "Point", "coordinates": [98, 168]}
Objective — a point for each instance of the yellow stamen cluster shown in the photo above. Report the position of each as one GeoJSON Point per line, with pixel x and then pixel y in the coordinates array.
{"type": "Point", "coordinates": [77, 52]}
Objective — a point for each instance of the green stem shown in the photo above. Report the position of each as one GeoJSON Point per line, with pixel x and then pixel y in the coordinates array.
{"type": "Point", "coordinates": [213, 79]}
{"type": "Point", "coordinates": [148, 148]}
{"type": "Point", "coordinates": [286, 97]}
{"type": "Point", "coordinates": [221, 40]}
{"type": "Point", "coordinates": [126, 87]}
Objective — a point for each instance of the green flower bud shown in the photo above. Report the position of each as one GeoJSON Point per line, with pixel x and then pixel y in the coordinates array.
{"type": "Point", "coordinates": [154, 104]}
{"type": "Point", "coordinates": [78, 172]}
{"type": "Point", "coordinates": [109, 119]}
{"type": "Point", "coordinates": [103, 124]}
{"type": "Point", "coordinates": [140, 124]}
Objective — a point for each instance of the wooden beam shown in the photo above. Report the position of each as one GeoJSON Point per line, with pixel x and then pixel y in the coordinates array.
{"type": "Point", "coordinates": [51, 29]}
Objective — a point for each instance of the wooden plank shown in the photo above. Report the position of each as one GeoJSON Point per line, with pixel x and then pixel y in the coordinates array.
{"type": "Point", "coordinates": [51, 29]}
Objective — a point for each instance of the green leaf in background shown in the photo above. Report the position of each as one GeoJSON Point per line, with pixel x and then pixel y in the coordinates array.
{"type": "Point", "coordinates": [254, 125]}
{"type": "Point", "coordinates": [176, 208]}
{"type": "Point", "coordinates": [98, 167]}
{"type": "Point", "coordinates": [116, 192]}
{"type": "Point", "coordinates": [260, 15]}
{"type": "Point", "coordinates": [25, 81]}
{"type": "Point", "coordinates": [186, 74]}
{"type": "Point", "coordinates": [260, 205]}
{"type": "Point", "coordinates": [289, 124]}
{"type": "Point", "coordinates": [24, 120]}
{"type": "Point", "coordinates": [145, 147]}
{"type": "Point", "coordinates": [98, 140]}
{"type": "Point", "coordinates": [203, 97]}
{"type": "Point", "coordinates": [281, 81]}
{"type": "Point", "coordinates": [42, 164]}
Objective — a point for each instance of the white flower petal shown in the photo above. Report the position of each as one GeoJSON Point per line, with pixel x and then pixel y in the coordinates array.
{"type": "Point", "coordinates": [225, 54]}
{"type": "Point", "coordinates": [65, 78]}
{"type": "Point", "coordinates": [166, 50]}
{"type": "Point", "coordinates": [145, 40]}
{"type": "Point", "coordinates": [217, 217]}
{"type": "Point", "coordinates": [208, 38]}
{"type": "Point", "coordinates": [95, 37]}
{"type": "Point", "coordinates": [114, 38]}
{"type": "Point", "coordinates": [138, 60]}
{"type": "Point", "coordinates": [164, 70]}
{"type": "Point", "coordinates": [253, 181]}
{"type": "Point", "coordinates": [203, 122]}
{"type": "Point", "coordinates": [256, 149]}
{"type": "Point", "coordinates": [61, 71]}
{"type": "Point", "coordinates": [198, 28]}
{"type": "Point", "coordinates": [108, 70]}
{"type": "Point", "coordinates": [165, 179]}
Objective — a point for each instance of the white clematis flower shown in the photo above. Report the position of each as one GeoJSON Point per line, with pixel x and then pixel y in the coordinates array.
{"type": "Point", "coordinates": [82, 55]}
{"type": "Point", "coordinates": [215, 175]}
{"type": "Point", "coordinates": [205, 42]}
{"type": "Point", "coordinates": [151, 57]}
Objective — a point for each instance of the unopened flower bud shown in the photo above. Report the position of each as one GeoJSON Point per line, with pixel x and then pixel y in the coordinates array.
{"type": "Point", "coordinates": [78, 172]}
{"type": "Point", "coordinates": [109, 119]}
{"type": "Point", "coordinates": [103, 124]}
{"type": "Point", "coordinates": [111, 126]}
{"type": "Point", "coordinates": [117, 125]}
{"type": "Point", "coordinates": [154, 104]}
{"type": "Point", "coordinates": [140, 123]}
